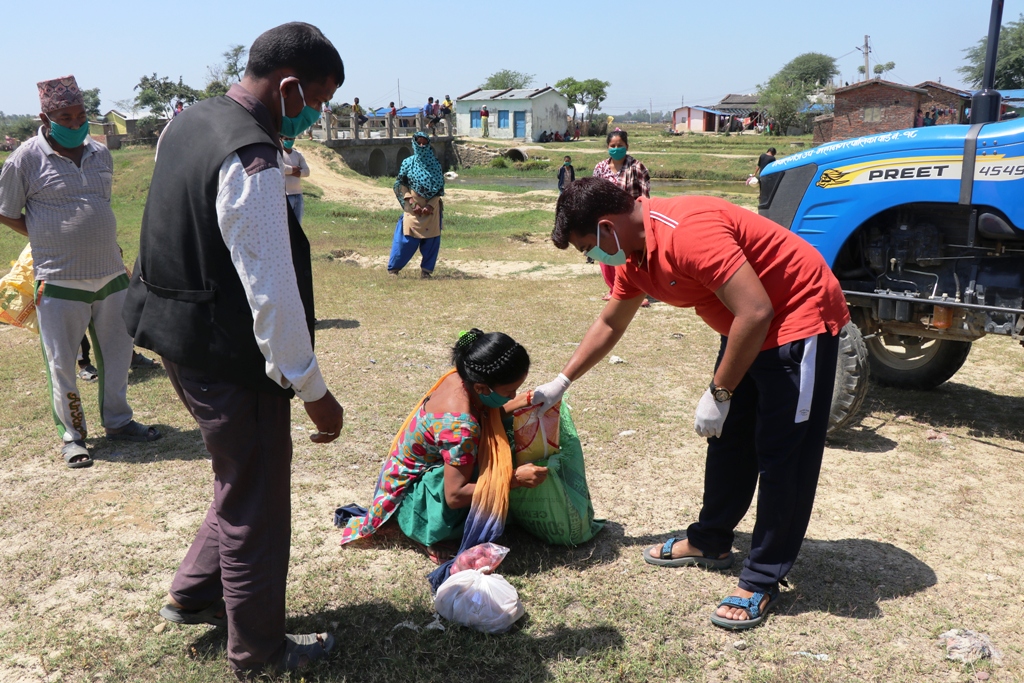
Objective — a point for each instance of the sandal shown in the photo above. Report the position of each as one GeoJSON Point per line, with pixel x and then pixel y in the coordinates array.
{"type": "Point", "coordinates": [76, 449]}
{"type": "Point", "coordinates": [214, 615]}
{"type": "Point", "coordinates": [135, 431]}
{"type": "Point", "coordinates": [88, 373]}
{"type": "Point", "coordinates": [751, 605]}
{"type": "Point", "coordinates": [140, 361]}
{"type": "Point", "coordinates": [706, 560]}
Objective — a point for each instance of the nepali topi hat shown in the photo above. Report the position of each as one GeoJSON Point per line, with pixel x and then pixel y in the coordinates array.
{"type": "Point", "coordinates": [59, 93]}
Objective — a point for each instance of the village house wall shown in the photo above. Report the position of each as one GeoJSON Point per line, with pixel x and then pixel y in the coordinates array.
{"type": "Point", "coordinates": [941, 98]}
{"type": "Point", "coordinates": [872, 109]}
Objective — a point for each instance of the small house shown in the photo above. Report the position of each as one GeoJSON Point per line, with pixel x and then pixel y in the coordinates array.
{"type": "Point", "coordinates": [119, 123]}
{"type": "Point", "coordinates": [875, 106]}
{"type": "Point", "coordinates": [697, 120]}
{"type": "Point", "coordinates": [951, 104]}
{"type": "Point", "coordinates": [514, 113]}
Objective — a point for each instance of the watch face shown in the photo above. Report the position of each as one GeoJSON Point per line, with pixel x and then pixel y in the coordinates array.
{"type": "Point", "coordinates": [722, 395]}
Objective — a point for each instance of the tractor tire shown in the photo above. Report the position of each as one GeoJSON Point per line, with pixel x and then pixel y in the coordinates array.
{"type": "Point", "coordinates": [852, 373]}
{"type": "Point", "coordinates": [916, 362]}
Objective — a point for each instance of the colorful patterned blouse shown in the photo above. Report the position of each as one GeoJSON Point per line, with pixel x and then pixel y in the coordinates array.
{"type": "Point", "coordinates": [431, 440]}
{"type": "Point", "coordinates": [633, 178]}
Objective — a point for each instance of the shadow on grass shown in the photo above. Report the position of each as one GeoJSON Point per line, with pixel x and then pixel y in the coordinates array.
{"type": "Point", "coordinates": [142, 375]}
{"type": "Point", "coordinates": [982, 413]}
{"type": "Point", "coordinates": [336, 324]}
{"type": "Point", "coordinates": [370, 647]}
{"type": "Point", "coordinates": [847, 577]}
{"type": "Point", "coordinates": [175, 444]}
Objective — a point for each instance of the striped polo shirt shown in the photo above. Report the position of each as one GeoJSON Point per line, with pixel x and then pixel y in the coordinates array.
{"type": "Point", "coordinates": [67, 209]}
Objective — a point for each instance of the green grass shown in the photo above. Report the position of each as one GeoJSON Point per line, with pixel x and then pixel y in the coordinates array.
{"type": "Point", "coordinates": [912, 532]}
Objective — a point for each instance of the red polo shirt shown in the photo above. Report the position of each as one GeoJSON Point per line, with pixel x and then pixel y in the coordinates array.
{"type": "Point", "coordinates": [695, 244]}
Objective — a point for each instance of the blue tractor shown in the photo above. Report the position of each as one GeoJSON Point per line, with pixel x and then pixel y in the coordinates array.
{"type": "Point", "coordinates": [924, 228]}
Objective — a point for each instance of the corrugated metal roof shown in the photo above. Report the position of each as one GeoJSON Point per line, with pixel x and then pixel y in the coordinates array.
{"type": "Point", "coordinates": [510, 94]}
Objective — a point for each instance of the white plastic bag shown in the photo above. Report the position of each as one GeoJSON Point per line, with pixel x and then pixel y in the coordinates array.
{"type": "Point", "coordinates": [485, 602]}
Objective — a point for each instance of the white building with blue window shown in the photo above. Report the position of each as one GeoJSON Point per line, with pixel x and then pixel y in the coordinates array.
{"type": "Point", "coordinates": [522, 113]}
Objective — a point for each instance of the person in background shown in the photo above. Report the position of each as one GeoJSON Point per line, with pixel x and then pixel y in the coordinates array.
{"type": "Point", "coordinates": [393, 112]}
{"type": "Point", "coordinates": [631, 175]}
{"type": "Point", "coordinates": [763, 160]}
{"type": "Point", "coordinates": [558, 137]}
{"type": "Point", "coordinates": [445, 113]}
{"type": "Point", "coordinates": [418, 188]}
{"type": "Point", "coordinates": [55, 189]}
{"type": "Point", "coordinates": [779, 310]}
{"type": "Point", "coordinates": [566, 174]}
{"type": "Point", "coordinates": [918, 119]}
{"type": "Point", "coordinates": [178, 108]}
{"type": "Point", "coordinates": [543, 136]}
{"type": "Point", "coordinates": [448, 104]}
{"type": "Point", "coordinates": [358, 113]}
{"type": "Point", "coordinates": [427, 481]}
{"type": "Point", "coordinates": [567, 136]}
{"type": "Point", "coordinates": [295, 167]}
{"type": "Point", "coordinates": [484, 117]}
{"type": "Point", "coordinates": [929, 119]}
{"type": "Point", "coordinates": [428, 111]}
{"type": "Point", "coordinates": [227, 301]}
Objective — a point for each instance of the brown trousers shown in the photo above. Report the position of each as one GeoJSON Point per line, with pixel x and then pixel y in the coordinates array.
{"type": "Point", "coordinates": [241, 550]}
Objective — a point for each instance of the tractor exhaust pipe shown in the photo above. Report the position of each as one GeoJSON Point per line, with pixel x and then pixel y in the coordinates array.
{"type": "Point", "coordinates": [986, 103]}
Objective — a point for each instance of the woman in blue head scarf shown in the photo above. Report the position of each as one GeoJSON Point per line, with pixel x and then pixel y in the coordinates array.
{"type": "Point", "coordinates": [419, 188]}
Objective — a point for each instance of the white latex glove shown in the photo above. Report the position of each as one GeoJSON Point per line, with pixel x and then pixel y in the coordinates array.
{"type": "Point", "coordinates": [549, 394]}
{"type": "Point", "coordinates": [711, 415]}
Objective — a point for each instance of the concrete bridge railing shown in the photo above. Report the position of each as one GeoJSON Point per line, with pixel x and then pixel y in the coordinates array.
{"type": "Point", "coordinates": [383, 156]}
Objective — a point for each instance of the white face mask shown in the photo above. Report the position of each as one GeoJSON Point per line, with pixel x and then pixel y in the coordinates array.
{"type": "Point", "coordinates": [600, 255]}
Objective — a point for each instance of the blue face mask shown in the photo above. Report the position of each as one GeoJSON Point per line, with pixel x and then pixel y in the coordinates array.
{"type": "Point", "coordinates": [617, 153]}
{"type": "Point", "coordinates": [600, 255]}
{"type": "Point", "coordinates": [294, 126]}
{"type": "Point", "coordinates": [288, 143]}
{"type": "Point", "coordinates": [493, 399]}
{"type": "Point", "coordinates": [68, 138]}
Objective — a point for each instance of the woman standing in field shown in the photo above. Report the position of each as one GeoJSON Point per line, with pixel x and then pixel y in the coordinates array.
{"type": "Point", "coordinates": [453, 435]}
{"type": "Point", "coordinates": [629, 174]}
{"type": "Point", "coordinates": [419, 188]}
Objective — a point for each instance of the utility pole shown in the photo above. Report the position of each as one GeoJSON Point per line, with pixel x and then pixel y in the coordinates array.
{"type": "Point", "coordinates": [650, 111]}
{"type": "Point", "coordinates": [400, 93]}
{"type": "Point", "coordinates": [867, 62]}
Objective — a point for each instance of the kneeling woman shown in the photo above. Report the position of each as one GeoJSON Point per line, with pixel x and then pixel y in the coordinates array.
{"type": "Point", "coordinates": [454, 433]}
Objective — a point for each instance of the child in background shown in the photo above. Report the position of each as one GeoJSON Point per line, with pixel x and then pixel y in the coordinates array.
{"type": "Point", "coordinates": [566, 174]}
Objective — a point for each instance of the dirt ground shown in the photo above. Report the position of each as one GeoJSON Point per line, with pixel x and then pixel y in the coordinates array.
{"type": "Point", "coordinates": [917, 526]}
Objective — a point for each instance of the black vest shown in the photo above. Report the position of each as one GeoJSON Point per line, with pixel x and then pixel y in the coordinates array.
{"type": "Point", "coordinates": [186, 301]}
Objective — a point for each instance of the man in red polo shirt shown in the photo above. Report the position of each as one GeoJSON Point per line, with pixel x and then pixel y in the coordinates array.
{"type": "Point", "coordinates": [779, 310]}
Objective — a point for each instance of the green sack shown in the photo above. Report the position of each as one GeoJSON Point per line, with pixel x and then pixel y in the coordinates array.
{"type": "Point", "coordinates": [558, 511]}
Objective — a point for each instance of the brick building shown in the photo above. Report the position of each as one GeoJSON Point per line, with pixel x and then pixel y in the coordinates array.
{"type": "Point", "coordinates": [875, 106]}
{"type": "Point", "coordinates": [950, 103]}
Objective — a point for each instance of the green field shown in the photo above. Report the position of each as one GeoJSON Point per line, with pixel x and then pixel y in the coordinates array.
{"type": "Point", "coordinates": [916, 527]}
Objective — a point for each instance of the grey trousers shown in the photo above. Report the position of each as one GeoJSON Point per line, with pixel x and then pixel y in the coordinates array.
{"type": "Point", "coordinates": [64, 316]}
{"type": "Point", "coordinates": [242, 548]}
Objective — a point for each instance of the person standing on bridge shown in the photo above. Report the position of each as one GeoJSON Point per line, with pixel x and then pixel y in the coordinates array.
{"type": "Point", "coordinates": [779, 310]}
{"type": "Point", "coordinates": [419, 188]}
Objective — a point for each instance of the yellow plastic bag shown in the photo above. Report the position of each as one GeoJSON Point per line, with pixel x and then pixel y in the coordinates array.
{"type": "Point", "coordinates": [536, 435]}
{"type": "Point", "coordinates": [17, 301]}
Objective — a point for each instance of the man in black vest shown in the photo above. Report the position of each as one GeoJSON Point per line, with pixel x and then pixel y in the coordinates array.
{"type": "Point", "coordinates": [223, 291]}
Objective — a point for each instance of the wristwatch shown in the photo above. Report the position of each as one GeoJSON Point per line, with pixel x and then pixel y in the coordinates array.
{"type": "Point", "coordinates": [721, 394]}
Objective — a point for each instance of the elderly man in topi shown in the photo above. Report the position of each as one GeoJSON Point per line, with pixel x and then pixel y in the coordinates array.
{"type": "Point", "coordinates": [62, 179]}
{"type": "Point", "coordinates": [223, 291]}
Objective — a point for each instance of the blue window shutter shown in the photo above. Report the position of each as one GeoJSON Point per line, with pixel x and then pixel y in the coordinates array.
{"type": "Point", "coordinates": [503, 118]}
{"type": "Point", "coordinates": [474, 119]}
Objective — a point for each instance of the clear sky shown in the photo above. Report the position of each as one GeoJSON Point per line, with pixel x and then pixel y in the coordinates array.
{"type": "Point", "coordinates": [652, 51]}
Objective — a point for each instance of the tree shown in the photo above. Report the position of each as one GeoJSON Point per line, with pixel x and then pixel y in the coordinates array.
{"type": "Point", "coordinates": [128, 106]}
{"type": "Point", "coordinates": [505, 79]}
{"type": "Point", "coordinates": [159, 93]}
{"type": "Point", "coordinates": [91, 99]}
{"type": "Point", "coordinates": [234, 64]}
{"type": "Point", "coordinates": [589, 94]}
{"type": "Point", "coordinates": [810, 68]}
{"type": "Point", "coordinates": [1009, 59]}
{"type": "Point", "coordinates": [782, 101]}
{"type": "Point", "coordinates": [881, 69]}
